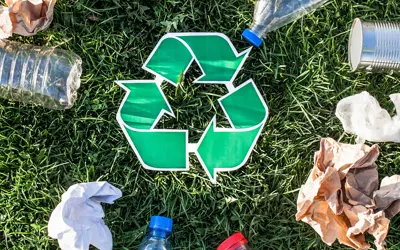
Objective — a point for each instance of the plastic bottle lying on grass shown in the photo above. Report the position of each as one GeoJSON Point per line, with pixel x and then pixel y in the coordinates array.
{"type": "Point", "coordinates": [235, 242]}
{"type": "Point", "coordinates": [270, 15]}
{"type": "Point", "coordinates": [160, 229]}
{"type": "Point", "coordinates": [39, 75]}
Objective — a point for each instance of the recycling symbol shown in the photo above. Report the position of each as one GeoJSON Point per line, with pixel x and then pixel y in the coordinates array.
{"type": "Point", "coordinates": [219, 149]}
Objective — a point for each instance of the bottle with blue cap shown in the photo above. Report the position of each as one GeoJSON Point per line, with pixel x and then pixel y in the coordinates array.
{"type": "Point", "coordinates": [160, 229]}
{"type": "Point", "coordinates": [270, 15]}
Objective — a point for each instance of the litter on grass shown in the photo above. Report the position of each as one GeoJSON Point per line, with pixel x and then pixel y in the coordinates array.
{"type": "Point", "coordinates": [270, 15]}
{"type": "Point", "coordinates": [341, 199]}
{"type": "Point", "coordinates": [77, 221]}
{"type": "Point", "coordinates": [374, 46]}
{"type": "Point", "coordinates": [362, 115]}
{"type": "Point", "coordinates": [25, 17]}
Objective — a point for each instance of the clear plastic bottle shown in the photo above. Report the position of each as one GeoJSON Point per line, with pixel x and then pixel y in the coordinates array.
{"type": "Point", "coordinates": [160, 229]}
{"type": "Point", "coordinates": [235, 242]}
{"type": "Point", "coordinates": [270, 15]}
{"type": "Point", "coordinates": [43, 76]}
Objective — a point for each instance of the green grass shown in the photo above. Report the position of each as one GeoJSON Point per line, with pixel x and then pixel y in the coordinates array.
{"type": "Point", "coordinates": [301, 71]}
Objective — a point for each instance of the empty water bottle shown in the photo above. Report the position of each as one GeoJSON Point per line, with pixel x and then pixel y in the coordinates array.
{"type": "Point", "coordinates": [270, 15]}
{"type": "Point", "coordinates": [39, 75]}
{"type": "Point", "coordinates": [236, 242]}
{"type": "Point", "coordinates": [160, 229]}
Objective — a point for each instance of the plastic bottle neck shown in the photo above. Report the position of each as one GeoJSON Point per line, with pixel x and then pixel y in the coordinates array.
{"type": "Point", "coordinates": [259, 30]}
{"type": "Point", "coordinates": [158, 233]}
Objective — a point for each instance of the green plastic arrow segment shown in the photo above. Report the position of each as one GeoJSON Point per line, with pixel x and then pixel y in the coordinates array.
{"type": "Point", "coordinates": [141, 109]}
{"type": "Point", "coordinates": [213, 52]}
{"type": "Point", "coordinates": [219, 149]}
{"type": "Point", "coordinates": [222, 149]}
{"type": "Point", "coordinates": [143, 105]}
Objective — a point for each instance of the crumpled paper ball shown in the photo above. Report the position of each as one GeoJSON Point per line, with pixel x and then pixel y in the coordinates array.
{"type": "Point", "coordinates": [341, 198]}
{"type": "Point", "coordinates": [77, 221]}
{"type": "Point", "coordinates": [25, 17]}
{"type": "Point", "coordinates": [362, 115]}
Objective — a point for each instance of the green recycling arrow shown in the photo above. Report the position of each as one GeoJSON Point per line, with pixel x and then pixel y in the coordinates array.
{"type": "Point", "coordinates": [141, 109]}
{"type": "Point", "coordinates": [213, 52]}
{"type": "Point", "coordinates": [219, 149]}
{"type": "Point", "coordinates": [222, 149]}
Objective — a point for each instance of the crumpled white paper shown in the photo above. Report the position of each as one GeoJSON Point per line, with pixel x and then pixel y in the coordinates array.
{"type": "Point", "coordinates": [77, 221]}
{"type": "Point", "coordinates": [362, 115]}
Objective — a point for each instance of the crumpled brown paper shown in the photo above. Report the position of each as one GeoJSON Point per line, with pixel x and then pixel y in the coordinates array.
{"type": "Point", "coordinates": [341, 200]}
{"type": "Point", "coordinates": [25, 17]}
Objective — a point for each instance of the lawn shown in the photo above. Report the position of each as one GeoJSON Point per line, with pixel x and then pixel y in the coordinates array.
{"type": "Point", "coordinates": [301, 71]}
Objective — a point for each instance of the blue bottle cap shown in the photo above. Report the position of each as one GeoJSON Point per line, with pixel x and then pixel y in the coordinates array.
{"type": "Point", "coordinates": [161, 222]}
{"type": "Point", "coordinates": [252, 38]}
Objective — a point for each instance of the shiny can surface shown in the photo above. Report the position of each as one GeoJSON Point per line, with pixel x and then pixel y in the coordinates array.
{"type": "Point", "coordinates": [374, 46]}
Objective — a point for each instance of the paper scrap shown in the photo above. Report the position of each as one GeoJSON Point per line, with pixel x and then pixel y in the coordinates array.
{"type": "Point", "coordinates": [25, 17]}
{"type": "Point", "coordinates": [362, 115]}
{"type": "Point", "coordinates": [388, 196]}
{"type": "Point", "coordinates": [341, 200]}
{"type": "Point", "coordinates": [77, 221]}
{"type": "Point", "coordinates": [5, 23]}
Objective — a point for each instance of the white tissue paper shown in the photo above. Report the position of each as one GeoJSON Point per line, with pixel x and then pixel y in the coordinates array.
{"type": "Point", "coordinates": [77, 221]}
{"type": "Point", "coordinates": [362, 115]}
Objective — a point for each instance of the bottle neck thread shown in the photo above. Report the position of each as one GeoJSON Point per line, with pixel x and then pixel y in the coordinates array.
{"type": "Point", "coordinates": [158, 233]}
